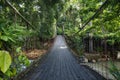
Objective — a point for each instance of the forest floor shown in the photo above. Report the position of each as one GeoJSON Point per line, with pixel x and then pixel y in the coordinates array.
{"type": "Point", "coordinates": [33, 54]}
{"type": "Point", "coordinates": [99, 64]}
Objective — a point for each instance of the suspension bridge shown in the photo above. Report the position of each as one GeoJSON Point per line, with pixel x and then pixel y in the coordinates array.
{"type": "Point", "coordinates": [59, 64]}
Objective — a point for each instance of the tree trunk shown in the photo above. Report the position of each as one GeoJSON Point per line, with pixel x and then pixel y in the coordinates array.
{"type": "Point", "coordinates": [90, 44]}
{"type": "Point", "coordinates": [105, 46]}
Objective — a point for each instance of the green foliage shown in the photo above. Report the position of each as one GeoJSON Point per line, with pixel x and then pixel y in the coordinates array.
{"type": "Point", "coordinates": [18, 50]}
{"type": "Point", "coordinates": [115, 71]}
{"type": "Point", "coordinates": [99, 49]}
{"type": "Point", "coordinates": [5, 61]}
{"type": "Point", "coordinates": [23, 60]}
{"type": "Point", "coordinates": [14, 32]}
{"type": "Point", "coordinates": [74, 13]}
{"type": "Point", "coordinates": [51, 2]}
{"type": "Point", "coordinates": [20, 60]}
{"type": "Point", "coordinates": [59, 31]}
{"type": "Point", "coordinates": [77, 45]}
{"type": "Point", "coordinates": [46, 15]}
{"type": "Point", "coordinates": [12, 35]}
{"type": "Point", "coordinates": [11, 72]}
{"type": "Point", "coordinates": [48, 23]}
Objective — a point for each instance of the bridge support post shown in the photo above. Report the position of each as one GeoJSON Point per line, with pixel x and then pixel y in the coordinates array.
{"type": "Point", "coordinates": [90, 43]}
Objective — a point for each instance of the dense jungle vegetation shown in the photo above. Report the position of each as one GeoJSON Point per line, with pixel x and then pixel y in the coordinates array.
{"type": "Point", "coordinates": [77, 20]}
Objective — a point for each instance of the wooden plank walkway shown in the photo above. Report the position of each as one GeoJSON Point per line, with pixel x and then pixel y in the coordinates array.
{"type": "Point", "coordinates": [60, 64]}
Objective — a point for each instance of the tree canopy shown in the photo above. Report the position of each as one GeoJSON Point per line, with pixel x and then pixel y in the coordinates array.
{"type": "Point", "coordinates": [23, 19]}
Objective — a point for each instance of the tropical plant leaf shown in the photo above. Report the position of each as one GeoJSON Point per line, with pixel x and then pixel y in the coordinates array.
{"type": "Point", "coordinates": [5, 61]}
{"type": "Point", "coordinates": [18, 50]}
{"type": "Point", "coordinates": [4, 38]}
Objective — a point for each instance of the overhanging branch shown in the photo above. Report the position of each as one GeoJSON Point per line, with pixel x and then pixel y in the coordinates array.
{"type": "Point", "coordinates": [19, 13]}
{"type": "Point", "coordinates": [91, 18]}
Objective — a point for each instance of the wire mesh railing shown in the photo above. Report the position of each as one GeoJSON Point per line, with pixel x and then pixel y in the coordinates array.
{"type": "Point", "coordinates": [105, 62]}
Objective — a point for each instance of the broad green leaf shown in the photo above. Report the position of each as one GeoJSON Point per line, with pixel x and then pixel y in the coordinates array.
{"type": "Point", "coordinates": [4, 38]}
{"type": "Point", "coordinates": [11, 72]}
{"type": "Point", "coordinates": [8, 73]}
{"type": "Point", "coordinates": [5, 61]}
{"type": "Point", "coordinates": [11, 39]}
{"type": "Point", "coordinates": [18, 50]}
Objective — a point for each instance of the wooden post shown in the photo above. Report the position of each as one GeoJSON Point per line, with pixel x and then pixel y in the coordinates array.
{"type": "Point", "coordinates": [105, 46]}
{"type": "Point", "coordinates": [90, 43]}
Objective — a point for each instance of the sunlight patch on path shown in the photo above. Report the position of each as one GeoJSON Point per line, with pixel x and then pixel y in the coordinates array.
{"type": "Point", "coordinates": [63, 47]}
